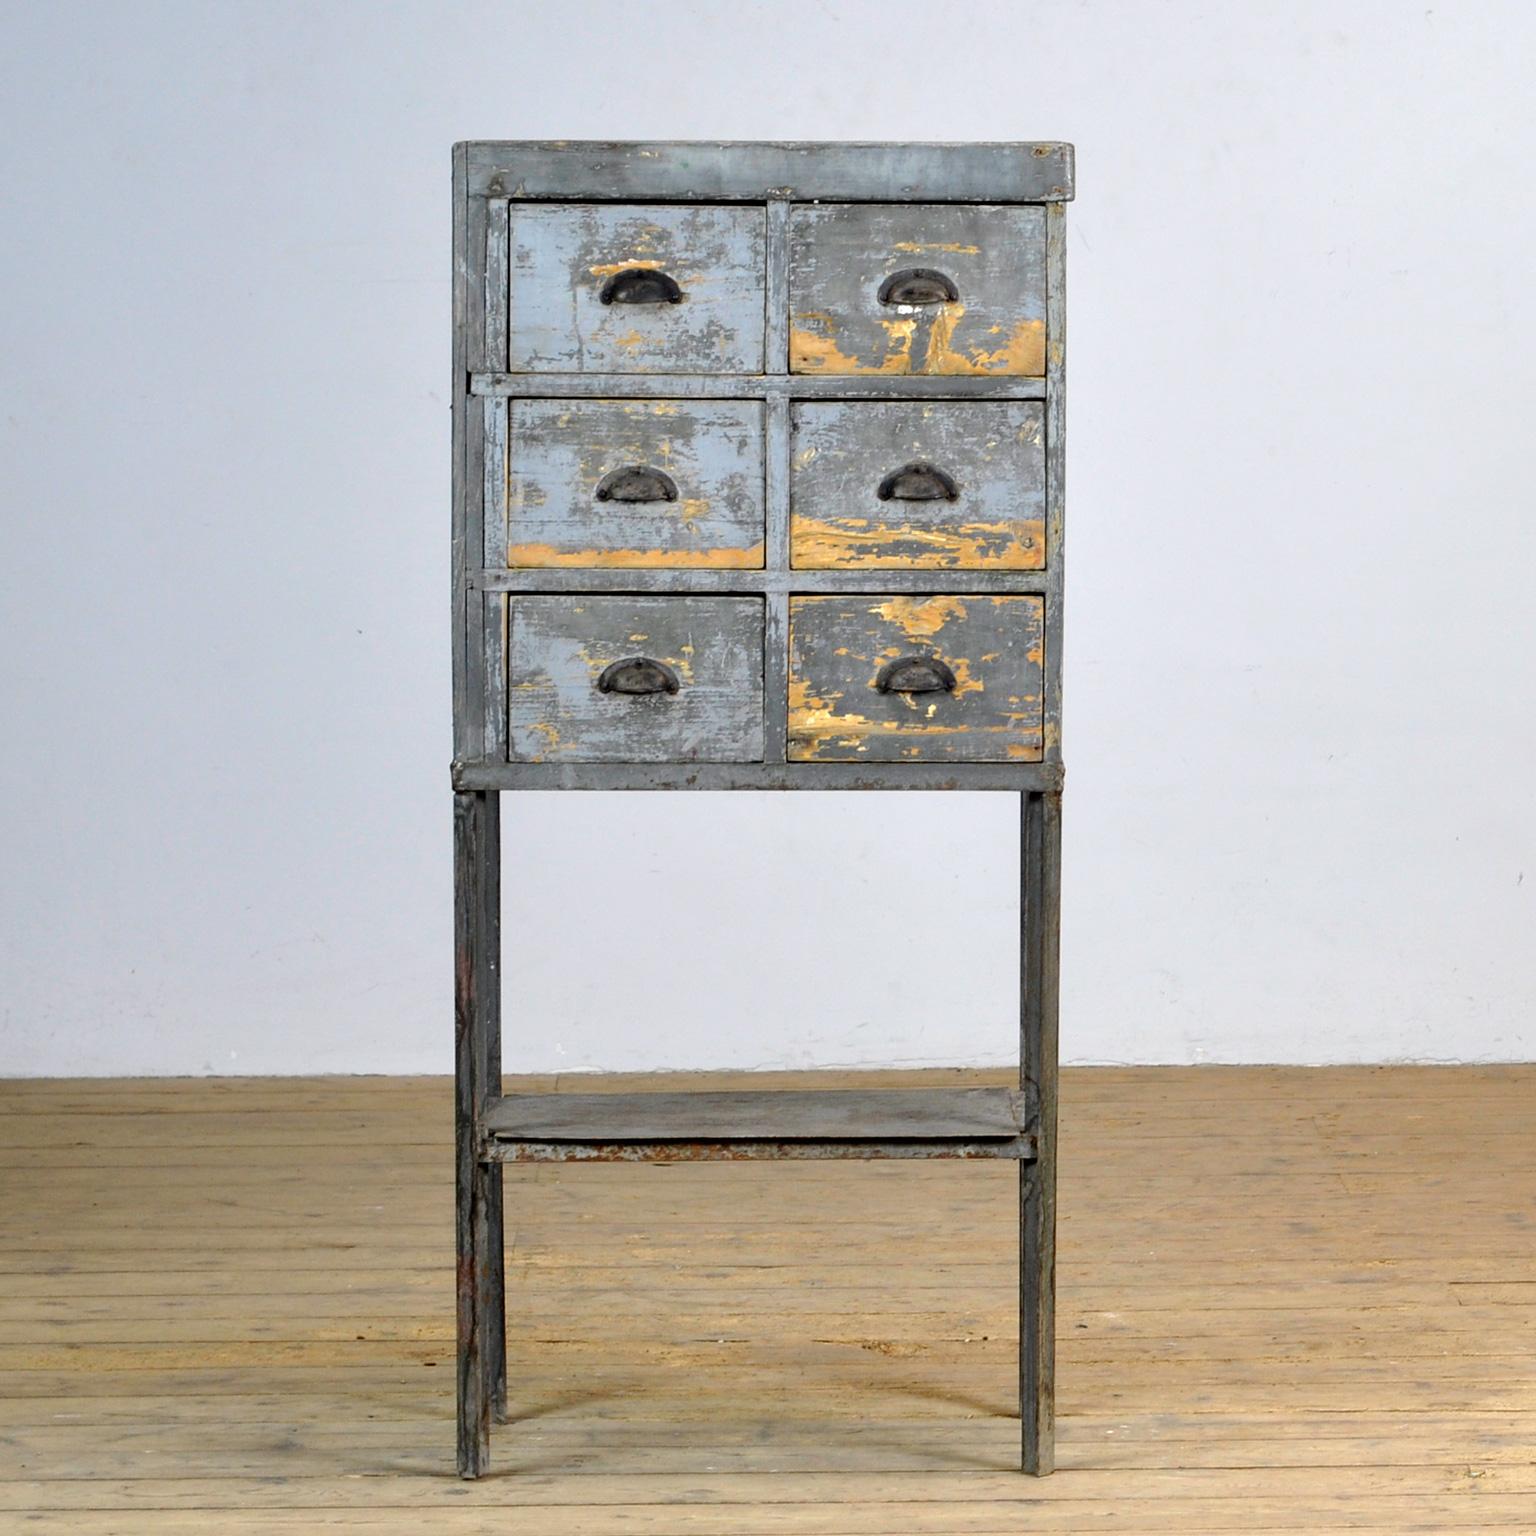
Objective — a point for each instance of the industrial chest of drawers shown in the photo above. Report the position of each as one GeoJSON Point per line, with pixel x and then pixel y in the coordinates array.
{"type": "Point", "coordinates": [758, 484]}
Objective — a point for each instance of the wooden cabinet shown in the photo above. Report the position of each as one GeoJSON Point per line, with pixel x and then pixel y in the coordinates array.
{"type": "Point", "coordinates": [758, 484]}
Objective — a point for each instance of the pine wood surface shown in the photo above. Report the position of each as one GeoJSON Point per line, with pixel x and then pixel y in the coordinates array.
{"type": "Point", "coordinates": [1290, 1300]}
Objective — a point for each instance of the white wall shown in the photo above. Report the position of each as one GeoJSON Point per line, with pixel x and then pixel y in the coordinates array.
{"type": "Point", "coordinates": [1301, 678]}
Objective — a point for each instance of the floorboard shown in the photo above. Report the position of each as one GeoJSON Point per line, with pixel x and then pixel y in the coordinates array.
{"type": "Point", "coordinates": [1291, 1300]}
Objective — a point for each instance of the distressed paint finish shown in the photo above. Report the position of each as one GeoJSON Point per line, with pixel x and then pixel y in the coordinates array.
{"type": "Point", "coordinates": [841, 253]}
{"type": "Point", "coordinates": [773, 661]}
{"type": "Point", "coordinates": [761, 1115]}
{"type": "Point", "coordinates": [560, 451]}
{"type": "Point", "coordinates": [558, 647]}
{"type": "Point", "coordinates": [994, 451]}
{"type": "Point", "coordinates": [561, 256]}
{"type": "Point", "coordinates": [993, 645]}
{"type": "Point", "coordinates": [587, 170]}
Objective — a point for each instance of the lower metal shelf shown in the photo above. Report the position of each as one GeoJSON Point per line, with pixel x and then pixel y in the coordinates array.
{"type": "Point", "coordinates": [767, 1123]}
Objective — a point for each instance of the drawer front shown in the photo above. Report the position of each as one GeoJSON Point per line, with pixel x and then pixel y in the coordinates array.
{"type": "Point", "coordinates": [909, 485]}
{"type": "Point", "coordinates": [917, 289]}
{"type": "Point", "coordinates": [916, 679]}
{"type": "Point", "coordinates": [634, 679]}
{"type": "Point", "coordinates": [629, 483]}
{"type": "Point", "coordinates": [623, 289]}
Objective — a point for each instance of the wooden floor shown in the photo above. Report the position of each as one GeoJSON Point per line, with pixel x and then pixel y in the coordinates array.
{"type": "Point", "coordinates": [1290, 1301]}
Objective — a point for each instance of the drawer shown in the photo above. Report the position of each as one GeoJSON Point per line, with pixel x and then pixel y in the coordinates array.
{"type": "Point", "coordinates": [916, 679]}
{"type": "Point", "coordinates": [904, 485]}
{"type": "Point", "coordinates": [918, 288]}
{"type": "Point", "coordinates": [622, 289]}
{"type": "Point", "coordinates": [626, 483]}
{"type": "Point", "coordinates": [634, 679]}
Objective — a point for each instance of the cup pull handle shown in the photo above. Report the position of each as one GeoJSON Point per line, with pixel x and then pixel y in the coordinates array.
{"type": "Point", "coordinates": [918, 482]}
{"type": "Point", "coordinates": [919, 285]}
{"type": "Point", "coordinates": [915, 674]}
{"type": "Point", "coordinates": [636, 482]}
{"type": "Point", "coordinates": [641, 285]}
{"type": "Point", "coordinates": [637, 675]}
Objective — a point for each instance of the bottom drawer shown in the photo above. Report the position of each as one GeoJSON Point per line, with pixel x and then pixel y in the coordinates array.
{"type": "Point", "coordinates": [634, 679]}
{"type": "Point", "coordinates": [957, 678]}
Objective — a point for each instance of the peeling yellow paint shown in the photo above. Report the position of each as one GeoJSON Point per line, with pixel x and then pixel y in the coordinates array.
{"type": "Point", "coordinates": [814, 347]}
{"type": "Point", "coordinates": [548, 556]}
{"type": "Point", "coordinates": [917, 247]}
{"type": "Point", "coordinates": [825, 726]}
{"type": "Point", "coordinates": [921, 618]}
{"type": "Point", "coordinates": [856, 543]}
{"type": "Point", "coordinates": [609, 268]}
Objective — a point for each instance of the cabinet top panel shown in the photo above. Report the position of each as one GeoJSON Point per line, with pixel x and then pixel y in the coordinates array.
{"type": "Point", "coordinates": [590, 171]}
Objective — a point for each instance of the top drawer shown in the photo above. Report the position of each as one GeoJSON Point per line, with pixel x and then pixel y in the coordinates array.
{"type": "Point", "coordinates": [623, 289]}
{"type": "Point", "coordinates": [917, 289]}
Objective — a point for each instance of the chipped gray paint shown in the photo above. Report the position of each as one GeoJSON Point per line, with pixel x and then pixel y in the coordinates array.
{"type": "Point", "coordinates": [995, 452]}
{"type": "Point", "coordinates": [562, 255]}
{"type": "Point", "coordinates": [560, 450]}
{"type": "Point", "coordinates": [837, 646]}
{"type": "Point", "coordinates": [558, 646]}
{"type": "Point", "coordinates": [840, 254]}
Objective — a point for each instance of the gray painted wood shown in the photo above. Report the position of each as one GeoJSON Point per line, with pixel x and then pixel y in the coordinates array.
{"type": "Point", "coordinates": [889, 1114]}
{"type": "Point", "coordinates": [592, 579]}
{"type": "Point", "coordinates": [1020, 1149]}
{"type": "Point", "coordinates": [561, 257]}
{"type": "Point", "coordinates": [1055, 472]}
{"type": "Point", "coordinates": [994, 452]}
{"type": "Point", "coordinates": [1039, 986]}
{"type": "Point", "coordinates": [841, 254]}
{"type": "Point", "coordinates": [839, 645]}
{"type": "Point", "coordinates": [474, 861]}
{"type": "Point", "coordinates": [776, 316]}
{"type": "Point", "coordinates": [485, 773]}
{"type": "Point", "coordinates": [734, 386]}
{"type": "Point", "coordinates": [561, 451]}
{"type": "Point", "coordinates": [557, 648]}
{"type": "Point", "coordinates": [591, 170]}
{"type": "Point", "coordinates": [494, 354]}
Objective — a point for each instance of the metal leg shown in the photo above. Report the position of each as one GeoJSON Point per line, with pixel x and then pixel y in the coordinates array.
{"type": "Point", "coordinates": [1040, 855]}
{"type": "Point", "coordinates": [475, 855]}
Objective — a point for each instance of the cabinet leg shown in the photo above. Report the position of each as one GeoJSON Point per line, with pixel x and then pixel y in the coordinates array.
{"type": "Point", "coordinates": [475, 884]}
{"type": "Point", "coordinates": [496, 1292]}
{"type": "Point", "coordinates": [1040, 852]}
{"type": "Point", "coordinates": [1037, 1319]}
{"type": "Point", "coordinates": [496, 1301]}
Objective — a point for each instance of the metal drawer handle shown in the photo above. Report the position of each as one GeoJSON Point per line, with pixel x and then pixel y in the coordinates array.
{"type": "Point", "coordinates": [641, 285]}
{"type": "Point", "coordinates": [915, 674]}
{"type": "Point", "coordinates": [636, 482]}
{"type": "Point", "coordinates": [919, 285]}
{"type": "Point", "coordinates": [637, 675]}
{"type": "Point", "coordinates": [918, 481]}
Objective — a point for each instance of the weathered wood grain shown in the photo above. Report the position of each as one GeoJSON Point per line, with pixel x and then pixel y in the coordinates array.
{"type": "Point", "coordinates": [900, 1114]}
{"type": "Point", "coordinates": [557, 648]}
{"type": "Point", "coordinates": [576, 578]}
{"type": "Point", "coordinates": [994, 452]}
{"type": "Point", "coordinates": [900, 778]}
{"type": "Point", "coordinates": [750, 386]}
{"type": "Point", "coordinates": [561, 256]}
{"type": "Point", "coordinates": [842, 253]}
{"type": "Point", "coordinates": [561, 451]}
{"type": "Point", "coordinates": [1039, 986]}
{"type": "Point", "coordinates": [838, 646]}
{"type": "Point", "coordinates": [588, 171]}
